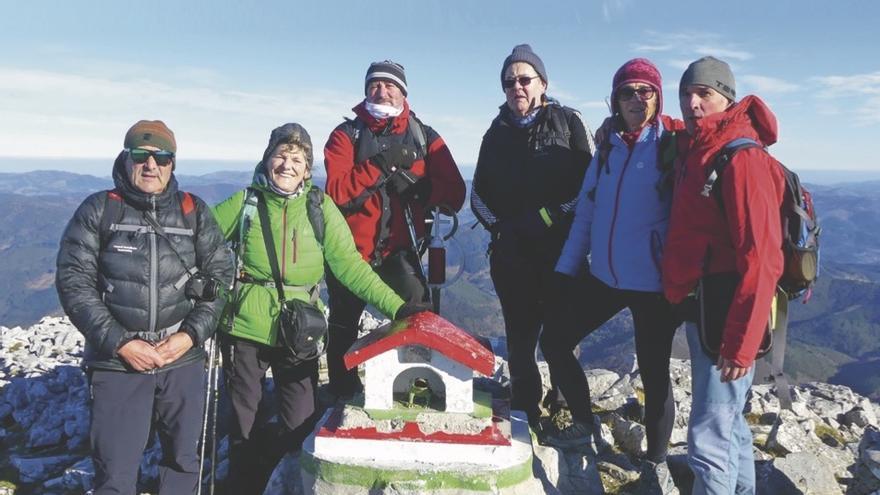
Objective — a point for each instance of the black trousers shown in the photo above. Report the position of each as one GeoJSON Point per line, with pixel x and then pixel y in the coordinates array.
{"type": "Point", "coordinates": [126, 405]}
{"type": "Point", "coordinates": [524, 282]}
{"type": "Point", "coordinates": [255, 449]}
{"type": "Point", "coordinates": [401, 272]}
{"type": "Point", "coordinates": [585, 309]}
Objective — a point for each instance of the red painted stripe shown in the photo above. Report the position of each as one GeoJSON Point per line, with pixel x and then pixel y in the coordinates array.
{"type": "Point", "coordinates": [491, 435]}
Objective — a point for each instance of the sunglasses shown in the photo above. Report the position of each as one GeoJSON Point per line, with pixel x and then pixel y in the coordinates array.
{"type": "Point", "coordinates": [163, 158]}
{"type": "Point", "coordinates": [522, 80]}
{"type": "Point", "coordinates": [645, 93]}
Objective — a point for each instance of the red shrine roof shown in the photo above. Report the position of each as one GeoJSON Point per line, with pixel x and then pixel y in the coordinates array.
{"type": "Point", "coordinates": [429, 330]}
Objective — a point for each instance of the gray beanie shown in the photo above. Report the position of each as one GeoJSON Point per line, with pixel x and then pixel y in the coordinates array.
{"type": "Point", "coordinates": [388, 71]}
{"type": "Point", "coordinates": [711, 72]}
{"type": "Point", "coordinates": [293, 134]}
{"type": "Point", "coordinates": [524, 53]}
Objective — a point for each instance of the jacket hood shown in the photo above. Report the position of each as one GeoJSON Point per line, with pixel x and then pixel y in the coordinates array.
{"type": "Point", "coordinates": [398, 124]}
{"type": "Point", "coordinates": [135, 196]}
{"type": "Point", "coordinates": [749, 113]}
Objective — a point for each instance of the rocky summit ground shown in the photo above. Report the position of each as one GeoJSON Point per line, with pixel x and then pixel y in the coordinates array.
{"type": "Point", "coordinates": [829, 443]}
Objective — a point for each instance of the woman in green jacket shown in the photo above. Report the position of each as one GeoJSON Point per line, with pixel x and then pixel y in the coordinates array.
{"type": "Point", "coordinates": [282, 180]}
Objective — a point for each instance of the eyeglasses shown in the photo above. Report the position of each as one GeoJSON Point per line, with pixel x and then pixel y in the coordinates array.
{"type": "Point", "coordinates": [522, 80]}
{"type": "Point", "coordinates": [140, 155]}
{"type": "Point", "coordinates": [645, 93]}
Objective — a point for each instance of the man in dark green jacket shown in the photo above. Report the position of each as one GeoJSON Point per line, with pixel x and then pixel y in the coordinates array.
{"type": "Point", "coordinates": [125, 274]}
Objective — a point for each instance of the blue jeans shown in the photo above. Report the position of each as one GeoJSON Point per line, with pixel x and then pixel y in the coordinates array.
{"type": "Point", "coordinates": [719, 439]}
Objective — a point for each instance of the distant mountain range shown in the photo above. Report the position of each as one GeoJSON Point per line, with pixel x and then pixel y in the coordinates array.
{"type": "Point", "coordinates": [834, 338]}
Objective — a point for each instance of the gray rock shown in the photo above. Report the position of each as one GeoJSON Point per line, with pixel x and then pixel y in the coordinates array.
{"type": "Point", "coordinates": [600, 381]}
{"type": "Point", "coordinates": [41, 436]}
{"type": "Point", "coordinates": [861, 415]}
{"type": "Point", "coordinates": [546, 464]}
{"type": "Point", "coordinates": [807, 473]}
{"type": "Point", "coordinates": [791, 434]}
{"type": "Point", "coordinates": [78, 478]}
{"type": "Point", "coordinates": [629, 435]}
{"type": "Point", "coordinates": [38, 469]}
{"type": "Point", "coordinates": [869, 452]}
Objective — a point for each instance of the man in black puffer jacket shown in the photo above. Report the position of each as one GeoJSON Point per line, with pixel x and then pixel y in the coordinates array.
{"type": "Point", "coordinates": [129, 271]}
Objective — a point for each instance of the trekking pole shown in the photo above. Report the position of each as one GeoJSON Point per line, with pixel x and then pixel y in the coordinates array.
{"type": "Point", "coordinates": [204, 439]}
{"type": "Point", "coordinates": [407, 213]}
{"type": "Point", "coordinates": [216, 361]}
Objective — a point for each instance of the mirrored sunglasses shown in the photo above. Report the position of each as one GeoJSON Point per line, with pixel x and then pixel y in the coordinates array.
{"type": "Point", "coordinates": [162, 157]}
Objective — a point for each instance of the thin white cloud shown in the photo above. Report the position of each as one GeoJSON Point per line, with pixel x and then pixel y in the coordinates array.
{"type": "Point", "coordinates": [723, 53]}
{"type": "Point", "coordinates": [73, 115]}
{"type": "Point", "coordinates": [861, 89]}
{"type": "Point", "coordinates": [764, 84]}
{"type": "Point", "coordinates": [692, 44]}
{"type": "Point", "coordinates": [834, 86]}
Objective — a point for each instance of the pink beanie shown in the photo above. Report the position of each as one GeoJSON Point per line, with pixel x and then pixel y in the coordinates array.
{"type": "Point", "coordinates": [638, 70]}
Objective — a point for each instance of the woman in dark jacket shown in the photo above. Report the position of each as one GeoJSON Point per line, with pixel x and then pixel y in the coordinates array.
{"type": "Point", "coordinates": [530, 166]}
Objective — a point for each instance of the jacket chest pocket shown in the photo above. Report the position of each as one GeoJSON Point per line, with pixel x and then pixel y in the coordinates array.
{"type": "Point", "coordinates": [547, 142]}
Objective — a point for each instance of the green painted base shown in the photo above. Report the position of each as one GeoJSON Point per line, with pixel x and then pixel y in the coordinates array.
{"type": "Point", "coordinates": [380, 479]}
{"type": "Point", "coordinates": [402, 411]}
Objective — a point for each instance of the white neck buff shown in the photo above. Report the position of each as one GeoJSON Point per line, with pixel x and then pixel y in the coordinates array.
{"type": "Point", "coordinates": [380, 111]}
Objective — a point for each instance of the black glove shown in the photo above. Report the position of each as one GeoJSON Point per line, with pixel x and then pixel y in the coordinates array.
{"type": "Point", "coordinates": [411, 308]}
{"type": "Point", "coordinates": [402, 182]}
{"type": "Point", "coordinates": [395, 157]}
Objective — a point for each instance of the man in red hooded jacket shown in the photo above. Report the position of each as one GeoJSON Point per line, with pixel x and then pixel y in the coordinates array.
{"type": "Point", "coordinates": [742, 239]}
{"type": "Point", "coordinates": [384, 168]}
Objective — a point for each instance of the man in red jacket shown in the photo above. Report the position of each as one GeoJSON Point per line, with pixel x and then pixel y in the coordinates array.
{"type": "Point", "coordinates": [738, 238]}
{"type": "Point", "coordinates": [384, 168]}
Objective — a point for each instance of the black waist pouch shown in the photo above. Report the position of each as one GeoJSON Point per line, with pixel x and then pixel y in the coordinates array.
{"type": "Point", "coordinates": [714, 297]}
{"type": "Point", "coordinates": [302, 329]}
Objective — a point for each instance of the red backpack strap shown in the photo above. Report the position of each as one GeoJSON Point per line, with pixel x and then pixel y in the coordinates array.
{"type": "Point", "coordinates": [111, 214]}
{"type": "Point", "coordinates": [188, 208]}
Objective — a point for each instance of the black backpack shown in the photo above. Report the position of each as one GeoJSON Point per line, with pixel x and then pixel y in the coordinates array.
{"type": "Point", "coordinates": [800, 225]}
{"type": "Point", "coordinates": [800, 248]}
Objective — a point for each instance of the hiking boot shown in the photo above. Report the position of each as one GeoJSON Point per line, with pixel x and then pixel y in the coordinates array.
{"type": "Point", "coordinates": [574, 434]}
{"type": "Point", "coordinates": [655, 479]}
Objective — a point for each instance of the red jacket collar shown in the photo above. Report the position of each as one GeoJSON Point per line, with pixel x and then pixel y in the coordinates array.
{"type": "Point", "coordinates": [398, 124]}
{"type": "Point", "coordinates": [750, 117]}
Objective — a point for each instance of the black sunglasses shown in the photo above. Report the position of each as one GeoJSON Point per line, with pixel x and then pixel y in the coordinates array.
{"type": "Point", "coordinates": [522, 80]}
{"type": "Point", "coordinates": [163, 158]}
{"type": "Point", "coordinates": [627, 93]}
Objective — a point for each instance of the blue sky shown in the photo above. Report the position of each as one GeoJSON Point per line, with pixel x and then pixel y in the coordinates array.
{"type": "Point", "coordinates": [75, 75]}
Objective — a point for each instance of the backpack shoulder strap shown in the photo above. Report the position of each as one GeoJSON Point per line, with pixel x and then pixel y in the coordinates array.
{"type": "Point", "coordinates": [110, 215]}
{"type": "Point", "coordinates": [188, 208]}
{"type": "Point", "coordinates": [667, 152]}
{"type": "Point", "coordinates": [418, 132]}
{"type": "Point", "coordinates": [314, 209]}
{"type": "Point", "coordinates": [602, 155]}
{"type": "Point", "coordinates": [719, 165]}
{"type": "Point", "coordinates": [248, 209]}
